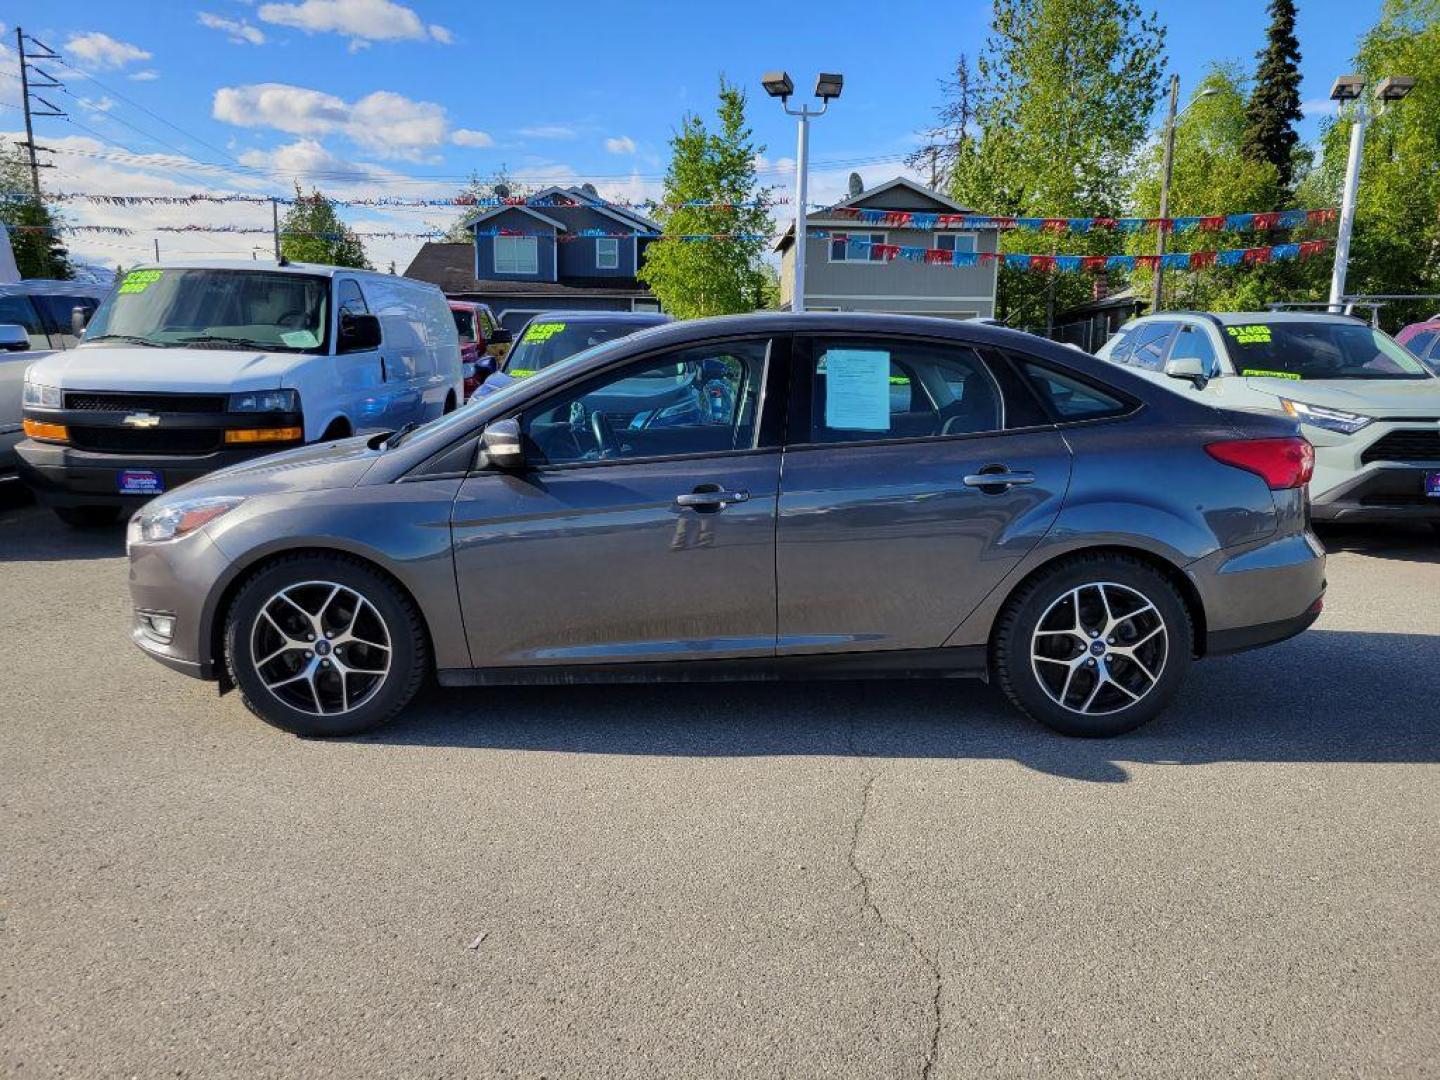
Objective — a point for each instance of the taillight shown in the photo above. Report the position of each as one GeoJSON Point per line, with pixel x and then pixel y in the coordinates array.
{"type": "Point", "coordinates": [1281, 463]}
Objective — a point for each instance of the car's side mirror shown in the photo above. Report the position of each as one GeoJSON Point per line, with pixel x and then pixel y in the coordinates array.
{"type": "Point", "coordinates": [500, 445]}
{"type": "Point", "coordinates": [1188, 367]}
{"type": "Point", "coordinates": [78, 319]}
{"type": "Point", "coordinates": [13, 338]}
{"type": "Point", "coordinates": [501, 336]}
{"type": "Point", "coordinates": [359, 333]}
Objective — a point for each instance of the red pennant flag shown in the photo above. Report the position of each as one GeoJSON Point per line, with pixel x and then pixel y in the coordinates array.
{"type": "Point", "coordinates": [1055, 225]}
{"type": "Point", "coordinates": [1093, 262]}
{"type": "Point", "coordinates": [887, 252]}
{"type": "Point", "coordinates": [1267, 221]}
{"type": "Point", "coordinates": [1212, 224]}
{"type": "Point", "coordinates": [846, 212]}
{"type": "Point", "coordinates": [989, 256]}
{"type": "Point", "coordinates": [1103, 223]}
{"type": "Point", "coordinates": [1042, 263]}
{"type": "Point", "coordinates": [1255, 256]}
{"type": "Point", "coordinates": [938, 255]}
{"type": "Point", "coordinates": [1147, 262]}
{"type": "Point", "coordinates": [1201, 259]}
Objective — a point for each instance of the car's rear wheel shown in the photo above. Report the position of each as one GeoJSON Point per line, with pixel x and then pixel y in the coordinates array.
{"type": "Point", "coordinates": [1094, 646]}
{"type": "Point", "coordinates": [324, 645]}
{"type": "Point", "coordinates": [87, 517]}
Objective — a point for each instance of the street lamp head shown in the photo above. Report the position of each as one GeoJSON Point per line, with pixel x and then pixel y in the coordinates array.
{"type": "Point", "coordinates": [777, 84]}
{"type": "Point", "coordinates": [828, 86]}
{"type": "Point", "coordinates": [1347, 88]}
{"type": "Point", "coordinates": [1395, 87]}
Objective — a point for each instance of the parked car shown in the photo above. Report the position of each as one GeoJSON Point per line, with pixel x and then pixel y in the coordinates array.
{"type": "Point", "coordinates": [190, 367]}
{"type": "Point", "coordinates": [483, 342]}
{"type": "Point", "coordinates": [553, 336]}
{"type": "Point", "coordinates": [1423, 339]}
{"type": "Point", "coordinates": [1024, 512]}
{"type": "Point", "coordinates": [1371, 409]}
{"type": "Point", "coordinates": [36, 317]}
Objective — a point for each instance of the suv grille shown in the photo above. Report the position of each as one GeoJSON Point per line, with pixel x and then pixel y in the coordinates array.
{"type": "Point", "coordinates": [85, 401]}
{"type": "Point", "coordinates": [1404, 445]}
{"type": "Point", "coordinates": [158, 441]}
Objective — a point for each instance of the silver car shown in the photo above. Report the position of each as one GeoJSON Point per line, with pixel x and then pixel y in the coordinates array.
{"type": "Point", "coordinates": [764, 496]}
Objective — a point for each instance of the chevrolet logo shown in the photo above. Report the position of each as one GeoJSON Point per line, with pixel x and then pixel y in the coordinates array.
{"type": "Point", "coordinates": [141, 420]}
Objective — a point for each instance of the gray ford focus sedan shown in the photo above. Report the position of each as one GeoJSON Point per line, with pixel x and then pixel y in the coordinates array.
{"type": "Point", "coordinates": [762, 496]}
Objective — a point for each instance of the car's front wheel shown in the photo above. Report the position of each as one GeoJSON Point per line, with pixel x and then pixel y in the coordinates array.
{"type": "Point", "coordinates": [1094, 646]}
{"type": "Point", "coordinates": [324, 645]}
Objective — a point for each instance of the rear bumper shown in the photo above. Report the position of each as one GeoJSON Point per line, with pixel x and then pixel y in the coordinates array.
{"type": "Point", "coordinates": [1239, 639]}
{"type": "Point", "coordinates": [1261, 594]}
{"type": "Point", "coordinates": [1386, 493]}
{"type": "Point", "coordinates": [64, 476]}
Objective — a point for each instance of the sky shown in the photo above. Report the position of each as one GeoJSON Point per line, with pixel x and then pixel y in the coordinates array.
{"type": "Point", "coordinates": [408, 97]}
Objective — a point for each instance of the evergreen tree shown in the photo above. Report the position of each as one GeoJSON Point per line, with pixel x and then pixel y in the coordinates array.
{"type": "Point", "coordinates": [713, 276]}
{"type": "Point", "coordinates": [313, 232]}
{"type": "Point", "coordinates": [39, 250]}
{"type": "Point", "coordinates": [1274, 106]}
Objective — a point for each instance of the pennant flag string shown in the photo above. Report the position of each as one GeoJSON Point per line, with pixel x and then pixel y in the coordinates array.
{"type": "Point", "coordinates": [383, 201]}
{"type": "Point", "coordinates": [1262, 222]}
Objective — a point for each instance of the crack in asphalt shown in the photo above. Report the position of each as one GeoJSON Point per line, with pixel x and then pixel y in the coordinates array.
{"type": "Point", "coordinates": [867, 903]}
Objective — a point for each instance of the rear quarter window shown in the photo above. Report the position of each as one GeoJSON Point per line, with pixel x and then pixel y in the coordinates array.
{"type": "Point", "coordinates": [1069, 398]}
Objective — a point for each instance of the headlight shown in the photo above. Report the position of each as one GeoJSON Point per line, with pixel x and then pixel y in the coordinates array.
{"type": "Point", "coordinates": [178, 518]}
{"type": "Point", "coordinates": [1347, 423]}
{"type": "Point", "coordinates": [36, 396]}
{"type": "Point", "coordinates": [265, 401]}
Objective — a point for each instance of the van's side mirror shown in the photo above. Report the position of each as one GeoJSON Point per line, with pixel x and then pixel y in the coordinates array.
{"type": "Point", "coordinates": [501, 336]}
{"type": "Point", "coordinates": [1188, 367]}
{"type": "Point", "coordinates": [78, 319]}
{"type": "Point", "coordinates": [500, 445]}
{"type": "Point", "coordinates": [358, 333]}
{"type": "Point", "coordinates": [13, 338]}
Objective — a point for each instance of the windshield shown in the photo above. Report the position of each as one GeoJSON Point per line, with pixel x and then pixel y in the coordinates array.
{"type": "Point", "coordinates": [223, 308]}
{"type": "Point", "coordinates": [464, 323]}
{"type": "Point", "coordinates": [545, 342]}
{"type": "Point", "coordinates": [1318, 350]}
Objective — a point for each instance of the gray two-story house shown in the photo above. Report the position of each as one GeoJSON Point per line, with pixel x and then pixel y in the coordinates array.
{"type": "Point", "coordinates": [849, 267]}
{"type": "Point", "coordinates": [562, 249]}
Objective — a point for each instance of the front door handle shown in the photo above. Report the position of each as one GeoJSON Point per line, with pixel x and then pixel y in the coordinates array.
{"type": "Point", "coordinates": [711, 497]}
{"type": "Point", "coordinates": [997, 480]}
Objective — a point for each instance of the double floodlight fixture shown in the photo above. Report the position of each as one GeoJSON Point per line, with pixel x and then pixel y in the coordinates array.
{"type": "Point", "coordinates": [1391, 88]}
{"type": "Point", "coordinates": [1347, 88]}
{"type": "Point", "coordinates": [1395, 87]}
{"type": "Point", "coordinates": [778, 84]}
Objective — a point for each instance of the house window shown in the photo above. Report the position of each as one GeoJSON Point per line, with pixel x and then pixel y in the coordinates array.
{"type": "Point", "coordinates": [856, 247]}
{"type": "Point", "coordinates": [645, 305]}
{"type": "Point", "coordinates": [949, 241]}
{"type": "Point", "coordinates": [517, 255]}
{"type": "Point", "coordinates": [607, 254]}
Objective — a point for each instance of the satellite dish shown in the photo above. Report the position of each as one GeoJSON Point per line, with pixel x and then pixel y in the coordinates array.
{"type": "Point", "coordinates": [589, 189]}
{"type": "Point", "coordinates": [857, 186]}
{"type": "Point", "coordinates": [502, 191]}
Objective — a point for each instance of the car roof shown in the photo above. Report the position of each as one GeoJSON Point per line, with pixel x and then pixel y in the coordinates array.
{"type": "Point", "coordinates": [274, 267]}
{"type": "Point", "coordinates": [1250, 318]}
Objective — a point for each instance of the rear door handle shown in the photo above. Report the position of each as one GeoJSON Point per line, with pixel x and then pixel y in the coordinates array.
{"type": "Point", "coordinates": [998, 479]}
{"type": "Point", "coordinates": [384, 375]}
{"type": "Point", "coordinates": [717, 499]}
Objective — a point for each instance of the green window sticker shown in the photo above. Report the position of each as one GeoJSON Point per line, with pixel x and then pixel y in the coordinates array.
{"type": "Point", "coordinates": [299, 339]}
{"type": "Point", "coordinates": [140, 280]}
{"type": "Point", "coordinates": [1257, 334]}
{"type": "Point", "coordinates": [543, 331]}
{"type": "Point", "coordinates": [521, 373]}
{"type": "Point", "coordinates": [1262, 373]}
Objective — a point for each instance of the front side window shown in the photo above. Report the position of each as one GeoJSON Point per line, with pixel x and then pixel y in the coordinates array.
{"type": "Point", "coordinates": [464, 324]}
{"type": "Point", "coordinates": [208, 308]}
{"type": "Point", "coordinates": [517, 255]}
{"type": "Point", "coordinates": [350, 299]}
{"type": "Point", "coordinates": [1305, 350]}
{"type": "Point", "coordinates": [856, 247]}
{"type": "Point", "coordinates": [19, 311]}
{"type": "Point", "coordinates": [607, 254]}
{"type": "Point", "coordinates": [1193, 343]}
{"type": "Point", "coordinates": [703, 400]}
{"type": "Point", "coordinates": [865, 390]}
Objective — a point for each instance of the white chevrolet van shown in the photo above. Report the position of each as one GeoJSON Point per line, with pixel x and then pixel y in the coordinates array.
{"type": "Point", "coordinates": [189, 367]}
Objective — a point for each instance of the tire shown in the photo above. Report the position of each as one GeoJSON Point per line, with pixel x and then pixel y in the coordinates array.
{"type": "Point", "coordinates": [351, 612]}
{"type": "Point", "coordinates": [1110, 689]}
{"type": "Point", "coordinates": [87, 517]}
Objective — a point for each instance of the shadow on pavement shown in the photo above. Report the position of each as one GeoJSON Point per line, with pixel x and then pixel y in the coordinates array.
{"type": "Point", "coordinates": [31, 533]}
{"type": "Point", "coordinates": [1408, 543]}
{"type": "Point", "coordinates": [1327, 696]}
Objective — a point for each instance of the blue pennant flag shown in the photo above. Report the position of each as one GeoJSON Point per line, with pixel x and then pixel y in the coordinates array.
{"type": "Point", "coordinates": [1185, 224]}
{"type": "Point", "coordinates": [1238, 223]}
{"type": "Point", "coordinates": [1018, 262]}
{"type": "Point", "coordinates": [1233, 256]}
{"type": "Point", "coordinates": [1175, 260]}
{"type": "Point", "coordinates": [1068, 263]}
{"type": "Point", "coordinates": [1285, 251]}
{"type": "Point", "coordinates": [1129, 224]}
{"type": "Point", "coordinates": [1079, 224]}
{"type": "Point", "coordinates": [1120, 262]}
{"type": "Point", "coordinates": [924, 221]}
{"type": "Point", "coordinates": [965, 258]}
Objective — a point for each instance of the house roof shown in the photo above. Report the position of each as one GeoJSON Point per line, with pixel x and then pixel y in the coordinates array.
{"type": "Point", "coordinates": [593, 202]}
{"type": "Point", "coordinates": [452, 268]}
{"type": "Point", "coordinates": [558, 226]}
{"type": "Point", "coordinates": [945, 204]}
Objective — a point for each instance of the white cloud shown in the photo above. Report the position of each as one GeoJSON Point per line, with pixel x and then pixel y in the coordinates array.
{"type": "Point", "coordinates": [239, 31]}
{"type": "Point", "coordinates": [470, 137]}
{"type": "Point", "coordinates": [97, 105]}
{"type": "Point", "coordinates": [101, 51]}
{"type": "Point", "coordinates": [1320, 107]}
{"type": "Point", "coordinates": [147, 75]}
{"type": "Point", "coordinates": [548, 131]}
{"type": "Point", "coordinates": [369, 20]}
{"type": "Point", "coordinates": [622, 145]}
{"type": "Point", "coordinates": [385, 123]}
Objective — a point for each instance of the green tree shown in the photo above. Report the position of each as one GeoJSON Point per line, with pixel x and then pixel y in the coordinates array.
{"type": "Point", "coordinates": [1396, 244]}
{"type": "Point", "coordinates": [715, 276]}
{"type": "Point", "coordinates": [39, 250]}
{"type": "Point", "coordinates": [313, 232]}
{"type": "Point", "coordinates": [1066, 89]}
{"type": "Point", "coordinates": [478, 187]}
{"type": "Point", "coordinates": [1274, 106]}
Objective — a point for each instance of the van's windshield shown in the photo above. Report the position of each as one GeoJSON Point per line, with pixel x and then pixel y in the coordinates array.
{"type": "Point", "coordinates": [216, 309]}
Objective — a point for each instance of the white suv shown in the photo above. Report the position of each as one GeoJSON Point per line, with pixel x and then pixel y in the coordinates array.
{"type": "Point", "coordinates": [1369, 407]}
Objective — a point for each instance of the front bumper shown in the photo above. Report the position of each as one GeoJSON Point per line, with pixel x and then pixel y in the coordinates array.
{"type": "Point", "coordinates": [180, 579]}
{"type": "Point", "coordinates": [1377, 474]}
{"type": "Point", "coordinates": [1381, 493]}
{"type": "Point", "coordinates": [61, 475]}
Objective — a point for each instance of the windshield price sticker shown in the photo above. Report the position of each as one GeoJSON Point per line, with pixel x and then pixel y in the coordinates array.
{"type": "Point", "coordinates": [1258, 334]}
{"type": "Point", "coordinates": [1262, 373]}
{"type": "Point", "coordinates": [140, 280]}
{"type": "Point", "coordinates": [521, 373]}
{"type": "Point", "coordinates": [544, 331]}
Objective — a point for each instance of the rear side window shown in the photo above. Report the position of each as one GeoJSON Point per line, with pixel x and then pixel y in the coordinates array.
{"type": "Point", "coordinates": [1124, 345]}
{"type": "Point", "coordinates": [1069, 398]}
{"type": "Point", "coordinates": [1150, 344]}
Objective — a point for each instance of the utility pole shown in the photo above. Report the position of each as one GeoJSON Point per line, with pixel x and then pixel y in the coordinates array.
{"type": "Point", "coordinates": [157, 249]}
{"type": "Point", "coordinates": [26, 93]}
{"type": "Point", "coordinates": [1167, 167]}
{"type": "Point", "coordinates": [275, 225]}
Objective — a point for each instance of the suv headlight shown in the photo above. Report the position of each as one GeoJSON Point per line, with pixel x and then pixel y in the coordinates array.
{"type": "Point", "coordinates": [265, 401]}
{"type": "Point", "coordinates": [38, 396]}
{"type": "Point", "coordinates": [1347, 423]}
{"type": "Point", "coordinates": [178, 518]}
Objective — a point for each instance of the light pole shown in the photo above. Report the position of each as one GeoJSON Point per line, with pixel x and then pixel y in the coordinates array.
{"type": "Point", "coordinates": [827, 87]}
{"type": "Point", "coordinates": [1352, 88]}
{"type": "Point", "coordinates": [1167, 168]}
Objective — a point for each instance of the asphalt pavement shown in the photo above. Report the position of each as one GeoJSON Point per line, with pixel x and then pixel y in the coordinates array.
{"type": "Point", "coordinates": [858, 880]}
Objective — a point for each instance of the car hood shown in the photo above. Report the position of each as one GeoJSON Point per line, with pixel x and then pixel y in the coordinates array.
{"type": "Point", "coordinates": [322, 466]}
{"type": "Point", "coordinates": [105, 367]}
{"type": "Point", "coordinates": [1369, 397]}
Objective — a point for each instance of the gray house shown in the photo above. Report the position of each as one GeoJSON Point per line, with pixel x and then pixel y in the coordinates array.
{"type": "Point", "coordinates": [849, 267]}
{"type": "Point", "coordinates": [562, 249]}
